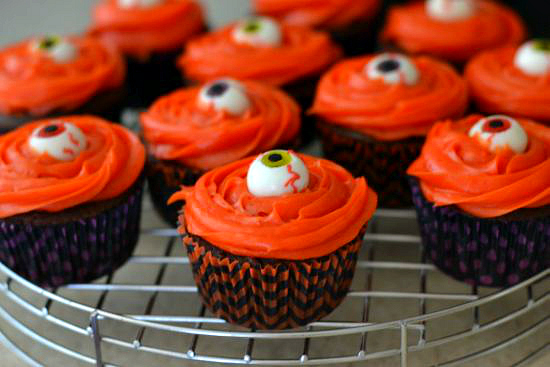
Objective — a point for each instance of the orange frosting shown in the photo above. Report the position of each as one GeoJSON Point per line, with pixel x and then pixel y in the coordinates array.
{"type": "Point", "coordinates": [29, 181]}
{"type": "Point", "coordinates": [318, 13]}
{"type": "Point", "coordinates": [177, 128]}
{"type": "Point", "coordinates": [347, 96]}
{"type": "Point", "coordinates": [329, 213]}
{"type": "Point", "coordinates": [303, 53]}
{"type": "Point", "coordinates": [33, 83]}
{"type": "Point", "coordinates": [497, 86]}
{"type": "Point", "coordinates": [493, 25]}
{"type": "Point", "coordinates": [138, 31]}
{"type": "Point", "coordinates": [455, 169]}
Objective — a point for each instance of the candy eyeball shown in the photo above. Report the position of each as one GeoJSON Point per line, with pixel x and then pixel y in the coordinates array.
{"type": "Point", "coordinates": [57, 48]}
{"type": "Point", "coordinates": [450, 10]}
{"type": "Point", "coordinates": [276, 173]}
{"type": "Point", "coordinates": [393, 69]}
{"type": "Point", "coordinates": [499, 131]}
{"type": "Point", "coordinates": [533, 57]}
{"type": "Point", "coordinates": [60, 140]}
{"type": "Point", "coordinates": [258, 31]}
{"type": "Point", "coordinates": [225, 95]}
{"type": "Point", "coordinates": [138, 3]}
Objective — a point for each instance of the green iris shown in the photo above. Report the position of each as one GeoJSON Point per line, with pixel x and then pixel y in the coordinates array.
{"type": "Point", "coordinates": [276, 158]}
{"type": "Point", "coordinates": [252, 26]}
{"type": "Point", "coordinates": [542, 45]}
{"type": "Point", "coordinates": [48, 42]}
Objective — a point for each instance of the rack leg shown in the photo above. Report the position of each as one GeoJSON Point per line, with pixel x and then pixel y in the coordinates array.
{"type": "Point", "coordinates": [404, 345]}
{"type": "Point", "coordinates": [94, 324]}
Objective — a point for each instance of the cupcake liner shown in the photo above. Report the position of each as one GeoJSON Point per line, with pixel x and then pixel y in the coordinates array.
{"type": "Point", "coordinates": [164, 179]}
{"type": "Point", "coordinates": [383, 163]}
{"type": "Point", "coordinates": [265, 294]}
{"type": "Point", "coordinates": [303, 91]}
{"type": "Point", "coordinates": [73, 250]}
{"type": "Point", "coordinates": [494, 252]}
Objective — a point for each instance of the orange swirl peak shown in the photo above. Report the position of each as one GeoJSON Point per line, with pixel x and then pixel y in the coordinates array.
{"type": "Point", "coordinates": [454, 30]}
{"type": "Point", "coordinates": [390, 96]}
{"type": "Point", "coordinates": [514, 80]}
{"type": "Point", "coordinates": [279, 205]}
{"type": "Point", "coordinates": [261, 49]}
{"type": "Point", "coordinates": [318, 13]}
{"type": "Point", "coordinates": [488, 167]}
{"type": "Point", "coordinates": [54, 164]}
{"type": "Point", "coordinates": [140, 27]}
{"type": "Point", "coordinates": [53, 73]}
{"type": "Point", "coordinates": [220, 122]}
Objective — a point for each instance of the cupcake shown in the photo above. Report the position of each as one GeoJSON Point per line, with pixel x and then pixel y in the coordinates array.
{"type": "Point", "coordinates": [150, 33]}
{"type": "Point", "coordinates": [70, 198]}
{"type": "Point", "coordinates": [481, 188]}
{"type": "Point", "coordinates": [273, 239]}
{"type": "Point", "coordinates": [349, 22]}
{"type": "Point", "coordinates": [53, 75]}
{"type": "Point", "coordinates": [374, 112]}
{"type": "Point", "coordinates": [454, 30]}
{"type": "Point", "coordinates": [193, 130]}
{"type": "Point", "coordinates": [264, 50]}
{"type": "Point", "coordinates": [513, 80]}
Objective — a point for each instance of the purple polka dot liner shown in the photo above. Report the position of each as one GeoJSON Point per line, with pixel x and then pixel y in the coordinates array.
{"type": "Point", "coordinates": [494, 252]}
{"type": "Point", "coordinates": [76, 250]}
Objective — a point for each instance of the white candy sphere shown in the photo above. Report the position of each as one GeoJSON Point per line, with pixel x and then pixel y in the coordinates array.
{"type": "Point", "coordinates": [58, 48]}
{"type": "Point", "coordinates": [60, 140]}
{"type": "Point", "coordinates": [276, 173]}
{"type": "Point", "coordinates": [258, 31]}
{"type": "Point", "coordinates": [450, 10]}
{"type": "Point", "coordinates": [393, 69]}
{"type": "Point", "coordinates": [225, 94]}
{"type": "Point", "coordinates": [140, 3]}
{"type": "Point", "coordinates": [499, 131]}
{"type": "Point", "coordinates": [533, 57]}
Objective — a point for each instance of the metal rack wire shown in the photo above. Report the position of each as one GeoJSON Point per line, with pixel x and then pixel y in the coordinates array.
{"type": "Point", "coordinates": [407, 320]}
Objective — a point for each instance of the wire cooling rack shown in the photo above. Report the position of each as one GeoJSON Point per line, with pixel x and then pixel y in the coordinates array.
{"type": "Point", "coordinates": [400, 309]}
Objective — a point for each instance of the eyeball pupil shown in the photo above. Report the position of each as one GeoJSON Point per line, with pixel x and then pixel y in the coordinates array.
{"type": "Point", "coordinates": [217, 89]}
{"type": "Point", "coordinates": [252, 27]}
{"type": "Point", "coordinates": [50, 129]}
{"type": "Point", "coordinates": [387, 66]}
{"type": "Point", "coordinates": [495, 124]}
{"type": "Point", "coordinates": [48, 42]}
{"type": "Point", "coordinates": [275, 157]}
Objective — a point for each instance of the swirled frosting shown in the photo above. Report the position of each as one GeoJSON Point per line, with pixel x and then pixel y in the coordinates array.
{"type": "Point", "coordinates": [178, 128]}
{"type": "Point", "coordinates": [492, 25]}
{"type": "Point", "coordinates": [139, 31]}
{"type": "Point", "coordinates": [347, 96]}
{"type": "Point", "coordinates": [303, 53]}
{"type": "Point", "coordinates": [318, 13]}
{"type": "Point", "coordinates": [32, 82]}
{"type": "Point", "coordinates": [497, 85]}
{"type": "Point", "coordinates": [29, 181]}
{"type": "Point", "coordinates": [329, 213]}
{"type": "Point", "coordinates": [456, 169]}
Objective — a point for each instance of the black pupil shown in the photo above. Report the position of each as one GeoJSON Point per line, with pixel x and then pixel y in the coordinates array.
{"type": "Point", "coordinates": [495, 124]}
{"type": "Point", "coordinates": [217, 89]}
{"type": "Point", "coordinates": [251, 27]}
{"type": "Point", "coordinates": [388, 65]}
{"type": "Point", "coordinates": [50, 129]}
{"type": "Point", "coordinates": [48, 42]}
{"type": "Point", "coordinates": [275, 157]}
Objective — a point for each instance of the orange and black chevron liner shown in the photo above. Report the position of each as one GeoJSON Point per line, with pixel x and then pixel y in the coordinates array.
{"type": "Point", "coordinates": [383, 163]}
{"type": "Point", "coordinates": [268, 293]}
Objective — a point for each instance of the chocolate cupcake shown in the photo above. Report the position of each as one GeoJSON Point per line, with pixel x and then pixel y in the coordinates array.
{"type": "Point", "coordinates": [349, 22]}
{"type": "Point", "coordinates": [513, 80]}
{"type": "Point", "coordinates": [70, 198]}
{"type": "Point", "coordinates": [454, 30]}
{"type": "Point", "coordinates": [53, 75]}
{"type": "Point", "coordinates": [151, 34]}
{"type": "Point", "coordinates": [193, 130]}
{"type": "Point", "coordinates": [262, 49]}
{"type": "Point", "coordinates": [273, 240]}
{"type": "Point", "coordinates": [482, 192]}
{"type": "Point", "coordinates": [374, 112]}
